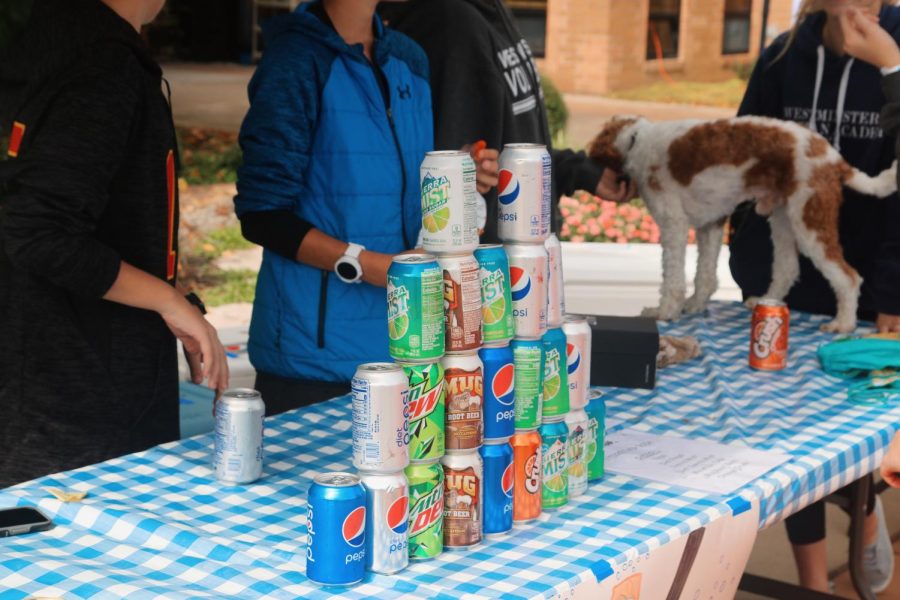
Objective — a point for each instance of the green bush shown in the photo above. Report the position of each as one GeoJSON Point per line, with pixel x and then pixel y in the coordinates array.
{"type": "Point", "coordinates": [557, 113]}
{"type": "Point", "coordinates": [743, 71]}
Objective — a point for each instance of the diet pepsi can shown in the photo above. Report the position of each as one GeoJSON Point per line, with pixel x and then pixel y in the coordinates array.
{"type": "Point", "coordinates": [380, 394]}
{"type": "Point", "coordinates": [523, 193]}
{"type": "Point", "coordinates": [556, 293]}
{"type": "Point", "coordinates": [499, 392]}
{"type": "Point", "coordinates": [497, 458]}
{"type": "Point", "coordinates": [240, 418]}
{"type": "Point", "coordinates": [387, 508]}
{"type": "Point", "coordinates": [336, 530]}
{"type": "Point", "coordinates": [578, 359]}
{"type": "Point", "coordinates": [449, 205]}
{"type": "Point", "coordinates": [528, 286]}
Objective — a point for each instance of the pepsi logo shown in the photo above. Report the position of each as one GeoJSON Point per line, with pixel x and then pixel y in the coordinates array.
{"type": "Point", "coordinates": [508, 188]}
{"type": "Point", "coordinates": [354, 528]}
{"type": "Point", "coordinates": [573, 358]}
{"type": "Point", "coordinates": [520, 283]}
{"type": "Point", "coordinates": [397, 520]}
{"type": "Point", "coordinates": [503, 385]}
{"type": "Point", "coordinates": [506, 482]}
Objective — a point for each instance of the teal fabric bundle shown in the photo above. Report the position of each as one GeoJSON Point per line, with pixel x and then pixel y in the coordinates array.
{"type": "Point", "coordinates": [874, 359]}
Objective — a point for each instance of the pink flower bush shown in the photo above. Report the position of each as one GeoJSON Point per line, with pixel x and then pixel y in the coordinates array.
{"type": "Point", "coordinates": [588, 218]}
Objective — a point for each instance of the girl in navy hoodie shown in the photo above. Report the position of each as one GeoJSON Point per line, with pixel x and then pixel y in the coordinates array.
{"type": "Point", "coordinates": [805, 76]}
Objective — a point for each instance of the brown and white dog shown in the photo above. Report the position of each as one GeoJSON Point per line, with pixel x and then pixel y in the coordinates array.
{"type": "Point", "coordinates": [694, 173]}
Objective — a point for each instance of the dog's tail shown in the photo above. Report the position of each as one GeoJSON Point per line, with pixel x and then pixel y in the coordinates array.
{"type": "Point", "coordinates": [883, 184]}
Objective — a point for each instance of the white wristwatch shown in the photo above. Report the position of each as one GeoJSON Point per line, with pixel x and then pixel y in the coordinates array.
{"type": "Point", "coordinates": [347, 267]}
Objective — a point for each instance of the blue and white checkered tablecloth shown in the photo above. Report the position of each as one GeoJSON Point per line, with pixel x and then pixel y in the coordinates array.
{"type": "Point", "coordinates": [158, 525]}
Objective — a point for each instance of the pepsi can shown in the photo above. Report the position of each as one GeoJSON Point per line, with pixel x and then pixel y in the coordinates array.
{"type": "Point", "coordinates": [556, 293]}
{"type": "Point", "coordinates": [528, 286]}
{"type": "Point", "coordinates": [499, 392]}
{"type": "Point", "coordinates": [380, 394]}
{"type": "Point", "coordinates": [578, 359]}
{"type": "Point", "coordinates": [387, 508]}
{"type": "Point", "coordinates": [336, 530]}
{"type": "Point", "coordinates": [497, 457]}
{"type": "Point", "coordinates": [523, 193]}
{"type": "Point", "coordinates": [238, 456]}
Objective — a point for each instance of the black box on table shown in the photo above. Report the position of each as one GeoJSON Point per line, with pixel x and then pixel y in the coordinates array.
{"type": "Point", "coordinates": [623, 351]}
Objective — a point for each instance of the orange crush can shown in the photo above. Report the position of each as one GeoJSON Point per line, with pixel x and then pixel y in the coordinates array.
{"type": "Point", "coordinates": [769, 335]}
{"type": "Point", "coordinates": [526, 445]}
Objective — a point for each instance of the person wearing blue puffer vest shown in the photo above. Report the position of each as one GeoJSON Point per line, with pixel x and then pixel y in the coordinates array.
{"type": "Point", "coordinates": [339, 121]}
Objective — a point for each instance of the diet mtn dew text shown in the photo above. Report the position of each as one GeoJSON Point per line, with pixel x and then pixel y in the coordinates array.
{"type": "Point", "coordinates": [449, 204]}
{"type": "Point", "coordinates": [415, 308]}
{"type": "Point", "coordinates": [426, 510]}
{"type": "Point", "coordinates": [426, 410]}
{"type": "Point", "coordinates": [498, 323]}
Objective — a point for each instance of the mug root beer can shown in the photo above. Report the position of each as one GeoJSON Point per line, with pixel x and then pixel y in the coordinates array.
{"type": "Point", "coordinates": [463, 499]}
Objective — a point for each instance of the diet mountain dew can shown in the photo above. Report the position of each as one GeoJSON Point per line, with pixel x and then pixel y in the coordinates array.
{"type": "Point", "coordinates": [596, 412]}
{"type": "Point", "coordinates": [579, 430]}
{"type": "Point", "coordinates": [498, 324]}
{"type": "Point", "coordinates": [554, 454]}
{"type": "Point", "coordinates": [415, 302]}
{"type": "Point", "coordinates": [528, 359]}
{"type": "Point", "coordinates": [426, 510]}
{"type": "Point", "coordinates": [426, 410]}
{"type": "Point", "coordinates": [556, 380]}
{"type": "Point", "coordinates": [449, 204]}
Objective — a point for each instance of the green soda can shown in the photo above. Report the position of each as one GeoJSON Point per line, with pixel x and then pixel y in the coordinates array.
{"type": "Point", "coordinates": [596, 411]}
{"type": "Point", "coordinates": [426, 410]}
{"type": "Point", "coordinates": [528, 359]}
{"type": "Point", "coordinates": [556, 377]}
{"type": "Point", "coordinates": [426, 510]}
{"type": "Point", "coordinates": [554, 450]}
{"type": "Point", "coordinates": [497, 322]}
{"type": "Point", "coordinates": [415, 308]}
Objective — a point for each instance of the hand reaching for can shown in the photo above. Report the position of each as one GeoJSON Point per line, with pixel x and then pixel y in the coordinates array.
{"type": "Point", "coordinates": [487, 166]}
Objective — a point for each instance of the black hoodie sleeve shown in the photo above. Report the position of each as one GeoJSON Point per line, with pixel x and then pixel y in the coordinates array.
{"type": "Point", "coordinates": [887, 285]}
{"type": "Point", "coordinates": [575, 171]}
{"type": "Point", "coordinates": [62, 187]}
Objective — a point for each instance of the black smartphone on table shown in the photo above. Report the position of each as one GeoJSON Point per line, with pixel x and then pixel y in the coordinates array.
{"type": "Point", "coordinates": [22, 519]}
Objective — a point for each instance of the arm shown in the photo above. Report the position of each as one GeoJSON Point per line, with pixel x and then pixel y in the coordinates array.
{"type": "Point", "coordinates": [276, 138]}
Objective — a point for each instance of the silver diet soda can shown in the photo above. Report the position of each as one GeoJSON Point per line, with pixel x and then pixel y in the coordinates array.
{"type": "Point", "coordinates": [387, 515]}
{"type": "Point", "coordinates": [380, 394]}
{"type": "Point", "coordinates": [528, 274]}
{"type": "Point", "coordinates": [556, 294]}
{"type": "Point", "coordinates": [240, 415]}
{"type": "Point", "coordinates": [523, 193]}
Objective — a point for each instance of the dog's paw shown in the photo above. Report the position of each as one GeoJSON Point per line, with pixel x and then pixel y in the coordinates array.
{"type": "Point", "coordinates": [752, 301]}
{"type": "Point", "coordinates": [694, 305]}
{"type": "Point", "coordinates": [837, 326]}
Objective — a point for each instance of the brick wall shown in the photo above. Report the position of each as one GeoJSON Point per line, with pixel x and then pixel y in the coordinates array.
{"type": "Point", "coordinates": [595, 46]}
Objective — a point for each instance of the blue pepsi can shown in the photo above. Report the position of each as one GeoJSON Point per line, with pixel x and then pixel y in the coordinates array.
{"type": "Point", "coordinates": [497, 456]}
{"type": "Point", "coordinates": [336, 530]}
{"type": "Point", "coordinates": [499, 392]}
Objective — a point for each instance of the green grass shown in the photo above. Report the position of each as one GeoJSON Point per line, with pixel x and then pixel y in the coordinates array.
{"type": "Point", "coordinates": [217, 242]}
{"type": "Point", "coordinates": [208, 156]}
{"type": "Point", "coordinates": [228, 287]}
{"type": "Point", "coordinates": [725, 94]}
{"type": "Point", "coordinates": [218, 286]}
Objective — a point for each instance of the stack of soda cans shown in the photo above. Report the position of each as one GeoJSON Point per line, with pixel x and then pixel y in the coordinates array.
{"type": "Point", "coordinates": [450, 232]}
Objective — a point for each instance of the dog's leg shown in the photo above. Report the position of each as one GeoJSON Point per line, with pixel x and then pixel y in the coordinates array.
{"type": "Point", "coordinates": [816, 230]}
{"type": "Point", "coordinates": [673, 236]}
{"type": "Point", "coordinates": [785, 259]}
{"type": "Point", "coordinates": [709, 243]}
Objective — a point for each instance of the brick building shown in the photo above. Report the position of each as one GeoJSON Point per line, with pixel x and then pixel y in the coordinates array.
{"type": "Point", "coordinates": [596, 46]}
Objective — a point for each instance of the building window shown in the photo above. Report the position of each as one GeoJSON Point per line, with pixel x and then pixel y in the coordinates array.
{"type": "Point", "coordinates": [736, 33]}
{"type": "Point", "coordinates": [531, 19]}
{"type": "Point", "coordinates": [662, 28]}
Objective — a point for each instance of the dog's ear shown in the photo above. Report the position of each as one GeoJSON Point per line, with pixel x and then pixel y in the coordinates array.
{"type": "Point", "coordinates": [603, 148]}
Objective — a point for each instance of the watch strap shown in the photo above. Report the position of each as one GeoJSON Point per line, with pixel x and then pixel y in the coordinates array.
{"type": "Point", "coordinates": [354, 250]}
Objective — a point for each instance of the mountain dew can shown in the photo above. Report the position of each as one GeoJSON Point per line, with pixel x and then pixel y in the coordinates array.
{"type": "Point", "coordinates": [556, 380]}
{"type": "Point", "coordinates": [449, 204]}
{"type": "Point", "coordinates": [415, 308]}
{"type": "Point", "coordinates": [498, 323]}
{"type": "Point", "coordinates": [554, 454]}
{"type": "Point", "coordinates": [579, 430]}
{"type": "Point", "coordinates": [594, 454]}
{"type": "Point", "coordinates": [426, 510]}
{"type": "Point", "coordinates": [426, 410]}
{"type": "Point", "coordinates": [528, 360]}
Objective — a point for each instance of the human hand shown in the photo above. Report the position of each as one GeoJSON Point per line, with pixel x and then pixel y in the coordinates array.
{"type": "Point", "coordinates": [611, 188]}
{"type": "Point", "coordinates": [375, 266]}
{"type": "Point", "coordinates": [202, 348]}
{"type": "Point", "coordinates": [888, 323]}
{"type": "Point", "coordinates": [866, 40]}
{"type": "Point", "coordinates": [890, 464]}
{"type": "Point", "coordinates": [487, 165]}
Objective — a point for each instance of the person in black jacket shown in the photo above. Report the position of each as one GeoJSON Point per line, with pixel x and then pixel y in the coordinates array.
{"type": "Point", "coordinates": [484, 85]}
{"type": "Point", "coordinates": [88, 245]}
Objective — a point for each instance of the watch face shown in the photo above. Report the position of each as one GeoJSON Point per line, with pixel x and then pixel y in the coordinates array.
{"type": "Point", "coordinates": [347, 270]}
